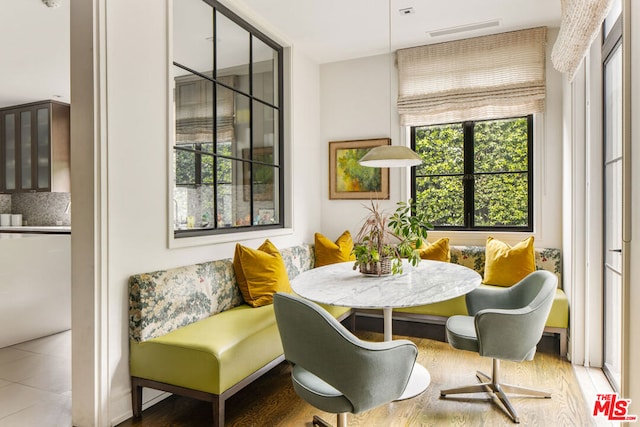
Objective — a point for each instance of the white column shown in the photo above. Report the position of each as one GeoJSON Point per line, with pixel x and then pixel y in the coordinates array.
{"type": "Point", "coordinates": [388, 323]}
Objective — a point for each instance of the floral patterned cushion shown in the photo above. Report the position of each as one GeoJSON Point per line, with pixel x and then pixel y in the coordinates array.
{"type": "Point", "coordinates": [298, 259]}
{"type": "Point", "coordinates": [162, 301]}
{"type": "Point", "coordinates": [473, 257]}
{"type": "Point", "coordinates": [165, 300]}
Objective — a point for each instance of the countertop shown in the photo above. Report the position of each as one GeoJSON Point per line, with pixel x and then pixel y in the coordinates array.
{"type": "Point", "coordinates": [47, 229]}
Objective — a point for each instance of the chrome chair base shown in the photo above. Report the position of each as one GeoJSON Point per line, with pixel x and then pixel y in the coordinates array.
{"type": "Point", "coordinates": [496, 389]}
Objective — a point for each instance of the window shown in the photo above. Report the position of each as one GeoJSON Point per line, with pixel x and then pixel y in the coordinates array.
{"type": "Point", "coordinates": [228, 155]}
{"type": "Point", "coordinates": [475, 175]}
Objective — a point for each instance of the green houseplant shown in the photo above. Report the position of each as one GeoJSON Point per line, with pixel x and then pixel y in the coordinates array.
{"type": "Point", "coordinates": [384, 240]}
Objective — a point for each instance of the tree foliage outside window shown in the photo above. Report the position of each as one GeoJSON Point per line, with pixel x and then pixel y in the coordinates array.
{"type": "Point", "coordinates": [475, 175]}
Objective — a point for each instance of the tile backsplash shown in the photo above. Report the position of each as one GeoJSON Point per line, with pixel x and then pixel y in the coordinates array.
{"type": "Point", "coordinates": [5, 203]}
{"type": "Point", "coordinates": [38, 208]}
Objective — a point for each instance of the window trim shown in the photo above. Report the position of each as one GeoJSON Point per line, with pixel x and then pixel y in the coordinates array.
{"type": "Point", "coordinates": [468, 182]}
{"type": "Point", "coordinates": [186, 238]}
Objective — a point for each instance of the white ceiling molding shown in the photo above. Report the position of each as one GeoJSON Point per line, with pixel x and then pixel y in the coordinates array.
{"type": "Point", "coordinates": [581, 22]}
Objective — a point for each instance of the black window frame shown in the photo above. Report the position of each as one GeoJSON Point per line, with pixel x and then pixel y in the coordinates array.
{"type": "Point", "coordinates": [278, 106]}
{"type": "Point", "coordinates": [468, 177]}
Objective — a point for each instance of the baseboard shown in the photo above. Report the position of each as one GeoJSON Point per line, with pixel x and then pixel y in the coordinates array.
{"type": "Point", "coordinates": [122, 404]}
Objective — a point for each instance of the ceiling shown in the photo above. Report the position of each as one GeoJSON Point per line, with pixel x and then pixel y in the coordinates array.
{"type": "Point", "coordinates": [336, 30]}
{"type": "Point", "coordinates": [34, 64]}
{"type": "Point", "coordinates": [34, 59]}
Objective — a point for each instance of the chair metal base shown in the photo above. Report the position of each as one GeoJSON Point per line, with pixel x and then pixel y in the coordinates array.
{"type": "Point", "coordinates": [319, 422]}
{"type": "Point", "coordinates": [496, 389]}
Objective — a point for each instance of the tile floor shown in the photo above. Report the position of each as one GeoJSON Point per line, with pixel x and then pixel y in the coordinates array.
{"type": "Point", "coordinates": [35, 383]}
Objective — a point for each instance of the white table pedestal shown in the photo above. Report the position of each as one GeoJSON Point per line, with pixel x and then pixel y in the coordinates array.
{"type": "Point", "coordinates": [418, 382]}
{"type": "Point", "coordinates": [420, 378]}
{"type": "Point", "coordinates": [387, 328]}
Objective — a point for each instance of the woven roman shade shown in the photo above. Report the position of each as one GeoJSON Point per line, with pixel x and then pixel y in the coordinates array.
{"type": "Point", "coordinates": [194, 122]}
{"type": "Point", "coordinates": [581, 22]}
{"type": "Point", "coordinates": [489, 77]}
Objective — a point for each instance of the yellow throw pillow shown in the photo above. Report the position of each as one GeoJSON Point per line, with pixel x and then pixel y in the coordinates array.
{"type": "Point", "coordinates": [505, 265]}
{"type": "Point", "coordinates": [328, 252]}
{"type": "Point", "coordinates": [436, 251]}
{"type": "Point", "coordinates": [260, 273]}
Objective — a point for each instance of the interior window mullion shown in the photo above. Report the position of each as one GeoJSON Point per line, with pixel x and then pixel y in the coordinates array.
{"type": "Point", "coordinates": [468, 175]}
{"type": "Point", "coordinates": [214, 101]}
{"type": "Point", "coordinates": [530, 169]}
{"type": "Point", "coordinates": [198, 164]}
{"type": "Point", "coordinates": [251, 122]}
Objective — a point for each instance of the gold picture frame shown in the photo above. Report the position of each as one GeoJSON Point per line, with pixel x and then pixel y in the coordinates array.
{"type": "Point", "coordinates": [348, 179]}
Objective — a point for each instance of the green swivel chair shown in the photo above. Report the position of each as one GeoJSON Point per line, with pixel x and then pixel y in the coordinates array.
{"type": "Point", "coordinates": [333, 370]}
{"type": "Point", "coordinates": [504, 324]}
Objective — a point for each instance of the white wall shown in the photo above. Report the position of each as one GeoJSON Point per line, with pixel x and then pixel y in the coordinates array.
{"type": "Point", "coordinates": [573, 211]}
{"type": "Point", "coordinates": [356, 104]}
{"type": "Point", "coordinates": [582, 211]}
{"type": "Point", "coordinates": [137, 150]}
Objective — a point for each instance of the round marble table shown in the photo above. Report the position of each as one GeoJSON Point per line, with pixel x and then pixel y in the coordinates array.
{"type": "Point", "coordinates": [429, 282]}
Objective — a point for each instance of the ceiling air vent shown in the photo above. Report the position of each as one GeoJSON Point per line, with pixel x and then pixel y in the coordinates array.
{"type": "Point", "coordinates": [464, 28]}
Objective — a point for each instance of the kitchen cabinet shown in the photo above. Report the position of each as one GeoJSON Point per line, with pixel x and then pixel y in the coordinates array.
{"type": "Point", "coordinates": [34, 147]}
{"type": "Point", "coordinates": [35, 286]}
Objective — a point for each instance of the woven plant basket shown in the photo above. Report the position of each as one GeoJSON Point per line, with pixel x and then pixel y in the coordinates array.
{"type": "Point", "coordinates": [372, 267]}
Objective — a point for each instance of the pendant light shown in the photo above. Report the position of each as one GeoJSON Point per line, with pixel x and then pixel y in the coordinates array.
{"type": "Point", "coordinates": [390, 156]}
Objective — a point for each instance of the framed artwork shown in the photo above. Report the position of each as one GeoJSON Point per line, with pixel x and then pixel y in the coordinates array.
{"type": "Point", "coordinates": [348, 179]}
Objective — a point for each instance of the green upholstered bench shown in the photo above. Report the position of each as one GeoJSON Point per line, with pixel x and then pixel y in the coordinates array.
{"type": "Point", "coordinates": [474, 257]}
{"type": "Point", "coordinates": [192, 334]}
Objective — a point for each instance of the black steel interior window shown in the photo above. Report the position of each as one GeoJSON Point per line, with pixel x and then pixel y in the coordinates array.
{"type": "Point", "coordinates": [475, 175]}
{"type": "Point", "coordinates": [228, 110]}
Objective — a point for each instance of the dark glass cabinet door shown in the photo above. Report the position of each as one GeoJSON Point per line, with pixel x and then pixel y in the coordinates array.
{"type": "Point", "coordinates": [9, 151]}
{"type": "Point", "coordinates": [42, 149]}
{"type": "Point", "coordinates": [26, 151]}
{"type": "Point", "coordinates": [34, 148]}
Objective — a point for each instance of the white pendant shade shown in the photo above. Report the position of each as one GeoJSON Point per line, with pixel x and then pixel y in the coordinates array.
{"type": "Point", "coordinates": [390, 156]}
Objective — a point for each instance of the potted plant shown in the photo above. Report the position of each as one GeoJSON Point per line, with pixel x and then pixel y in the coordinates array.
{"type": "Point", "coordinates": [384, 240]}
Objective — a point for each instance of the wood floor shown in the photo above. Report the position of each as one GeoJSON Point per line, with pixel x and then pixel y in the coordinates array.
{"type": "Point", "coordinates": [271, 401]}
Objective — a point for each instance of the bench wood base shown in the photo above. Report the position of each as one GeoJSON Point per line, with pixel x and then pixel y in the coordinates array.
{"type": "Point", "coordinates": [137, 383]}
{"type": "Point", "coordinates": [217, 400]}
